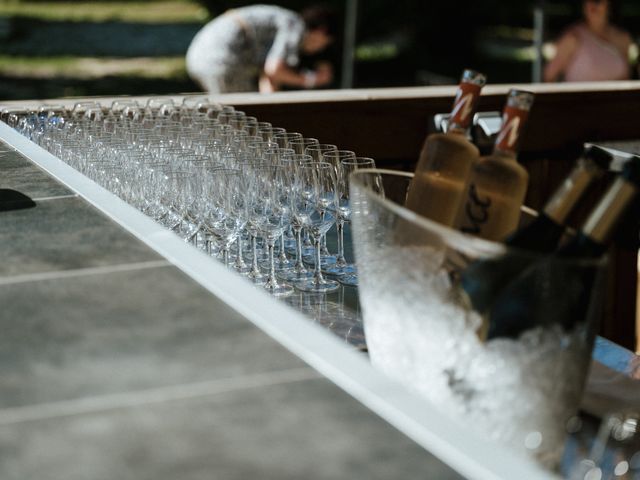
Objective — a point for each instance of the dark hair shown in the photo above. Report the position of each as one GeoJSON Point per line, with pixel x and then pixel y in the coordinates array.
{"type": "Point", "coordinates": [321, 17]}
{"type": "Point", "coordinates": [614, 8]}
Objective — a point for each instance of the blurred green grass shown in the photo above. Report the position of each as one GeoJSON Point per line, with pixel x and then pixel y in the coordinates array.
{"type": "Point", "coordinates": [174, 11]}
{"type": "Point", "coordinates": [60, 48]}
{"type": "Point", "coordinates": [86, 68]}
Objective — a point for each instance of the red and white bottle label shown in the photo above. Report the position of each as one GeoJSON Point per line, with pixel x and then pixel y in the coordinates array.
{"type": "Point", "coordinates": [465, 104]}
{"type": "Point", "coordinates": [513, 120]}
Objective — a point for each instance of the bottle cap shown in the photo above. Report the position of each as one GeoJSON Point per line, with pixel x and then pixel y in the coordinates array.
{"type": "Point", "coordinates": [599, 156]}
{"type": "Point", "coordinates": [631, 170]}
{"type": "Point", "coordinates": [476, 78]}
{"type": "Point", "coordinates": [466, 99]}
{"type": "Point", "coordinates": [520, 99]}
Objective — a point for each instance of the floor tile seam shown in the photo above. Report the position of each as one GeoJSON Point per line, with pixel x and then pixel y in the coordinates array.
{"type": "Point", "coordinates": [83, 272]}
{"type": "Point", "coordinates": [156, 396]}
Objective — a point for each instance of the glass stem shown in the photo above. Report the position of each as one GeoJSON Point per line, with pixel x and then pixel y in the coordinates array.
{"type": "Point", "coordinates": [239, 260]}
{"type": "Point", "coordinates": [317, 274]}
{"type": "Point", "coordinates": [225, 256]}
{"type": "Point", "coordinates": [282, 256]}
{"type": "Point", "coordinates": [254, 255]}
{"type": "Point", "coordinates": [323, 238]}
{"type": "Point", "coordinates": [341, 262]}
{"type": "Point", "coordinates": [299, 265]}
{"type": "Point", "coordinates": [272, 262]}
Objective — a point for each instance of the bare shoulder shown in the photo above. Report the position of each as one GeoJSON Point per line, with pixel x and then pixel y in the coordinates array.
{"type": "Point", "coordinates": [569, 38]}
{"type": "Point", "coordinates": [621, 38]}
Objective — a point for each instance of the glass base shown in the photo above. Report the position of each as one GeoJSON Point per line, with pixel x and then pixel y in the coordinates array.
{"type": "Point", "coordinates": [350, 280]}
{"type": "Point", "coordinates": [241, 269]}
{"type": "Point", "coordinates": [313, 285]}
{"type": "Point", "coordinates": [294, 275]}
{"type": "Point", "coordinates": [356, 337]}
{"type": "Point", "coordinates": [288, 265]}
{"type": "Point", "coordinates": [278, 289]}
{"type": "Point", "coordinates": [257, 278]}
{"type": "Point", "coordinates": [325, 260]}
{"type": "Point", "coordinates": [200, 239]}
{"type": "Point", "coordinates": [337, 270]}
{"type": "Point", "coordinates": [284, 264]}
{"type": "Point", "coordinates": [238, 264]}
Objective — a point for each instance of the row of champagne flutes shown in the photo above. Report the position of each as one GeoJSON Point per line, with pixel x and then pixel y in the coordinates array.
{"type": "Point", "coordinates": [220, 179]}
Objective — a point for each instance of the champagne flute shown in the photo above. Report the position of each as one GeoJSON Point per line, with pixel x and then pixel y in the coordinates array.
{"type": "Point", "coordinates": [319, 184]}
{"type": "Point", "coordinates": [274, 215]}
{"type": "Point", "coordinates": [335, 157]}
{"type": "Point", "coordinates": [299, 145]}
{"type": "Point", "coordinates": [226, 215]}
{"type": "Point", "coordinates": [301, 207]}
{"type": "Point", "coordinates": [283, 138]}
{"type": "Point", "coordinates": [347, 272]}
{"type": "Point", "coordinates": [317, 152]}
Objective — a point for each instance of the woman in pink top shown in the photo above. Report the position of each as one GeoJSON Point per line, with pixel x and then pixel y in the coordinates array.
{"type": "Point", "coordinates": [591, 50]}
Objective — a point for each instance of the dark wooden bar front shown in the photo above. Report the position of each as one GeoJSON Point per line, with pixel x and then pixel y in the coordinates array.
{"type": "Point", "coordinates": [390, 125]}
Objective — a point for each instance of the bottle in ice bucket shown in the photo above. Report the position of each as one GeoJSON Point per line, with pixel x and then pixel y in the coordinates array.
{"type": "Point", "coordinates": [482, 280]}
{"type": "Point", "coordinates": [498, 183]}
{"type": "Point", "coordinates": [441, 175]}
{"type": "Point", "coordinates": [556, 289]}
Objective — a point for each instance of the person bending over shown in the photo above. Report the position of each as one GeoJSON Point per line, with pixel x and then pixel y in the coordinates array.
{"type": "Point", "coordinates": [257, 48]}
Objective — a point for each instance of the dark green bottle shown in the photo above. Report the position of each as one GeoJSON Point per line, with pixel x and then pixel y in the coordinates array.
{"type": "Point", "coordinates": [557, 288]}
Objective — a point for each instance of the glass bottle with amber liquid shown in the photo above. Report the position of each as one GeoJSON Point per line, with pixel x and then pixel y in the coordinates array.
{"type": "Point", "coordinates": [440, 179]}
{"type": "Point", "coordinates": [498, 183]}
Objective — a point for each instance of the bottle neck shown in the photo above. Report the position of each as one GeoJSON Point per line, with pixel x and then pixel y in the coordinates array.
{"type": "Point", "coordinates": [568, 194]}
{"type": "Point", "coordinates": [602, 220]}
{"type": "Point", "coordinates": [464, 107]}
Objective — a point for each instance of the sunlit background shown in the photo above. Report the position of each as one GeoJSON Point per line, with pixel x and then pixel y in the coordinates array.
{"type": "Point", "coordinates": [79, 48]}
